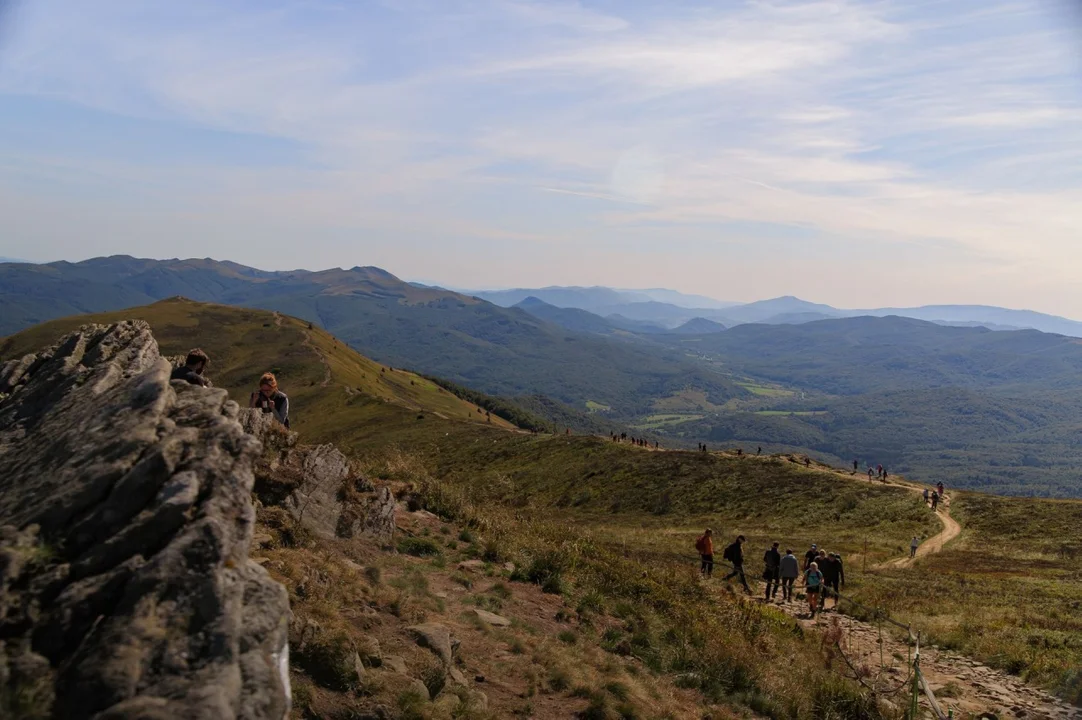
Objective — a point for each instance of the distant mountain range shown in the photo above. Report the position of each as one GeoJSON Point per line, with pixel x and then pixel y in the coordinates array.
{"type": "Point", "coordinates": [666, 310]}
{"type": "Point", "coordinates": [993, 410]}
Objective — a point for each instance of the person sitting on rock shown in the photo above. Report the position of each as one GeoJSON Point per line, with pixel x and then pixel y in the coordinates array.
{"type": "Point", "coordinates": [192, 369]}
{"type": "Point", "coordinates": [271, 399]}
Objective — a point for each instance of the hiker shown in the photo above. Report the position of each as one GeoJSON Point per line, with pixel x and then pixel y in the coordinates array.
{"type": "Point", "coordinates": [914, 545]}
{"type": "Point", "coordinates": [831, 567]}
{"type": "Point", "coordinates": [191, 371]}
{"type": "Point", "coordinates": [772, 571]}
{"type": "Point", "coordinates": [790, 571]}
{"type": "Point", "coordinates": [657, 444]}
{"type": "Point", "coordinates": [884, 474]}
{"type": "Point", "coordinates": [270, 399]}
{"type": "Point", "coordinates": [940, 487]}
{"type": "Point", "coordinates": [856, 465]}
{"type": "Point", "coordinates": [623, 436]}
{"type": "Point", "coordinates": [869, 474]}
{"type": "Point", "coordinates": [813, 585]}
{"type": "Point", "coordinates": [935, 500]}
{"type": "Point", "coordinates": [740, 451]}
{"type": "Point", "coordinates": [809, 557]}
{"type": "Point", "coordinates": [807, 461]}
{"type": "Point", "coordinates": [735, 554]}
{"type": "Point", "coordinates": [925, 496]}
{"type": "Point", "coordinates": [705, 546]}
{"type": "Point", "coordinates": [879, 471]}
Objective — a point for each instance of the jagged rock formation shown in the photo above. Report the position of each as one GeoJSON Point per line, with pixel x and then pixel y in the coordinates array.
{"type": "Point", "coordinates": [320, 488]}
{"type": "Point", "coordinates": [125, 522]}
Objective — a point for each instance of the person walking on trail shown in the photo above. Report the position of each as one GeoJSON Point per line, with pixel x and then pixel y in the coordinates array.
{"type": "Point", "coordinates": [884, 474]}
{"type": "Point", "coordinates": [935, 500]}
{"type": "Point", "coordinates": [759, 451]}
{"type": "Point", "coordinates": [735, 555]}
{"type": "Point", "coordinates": [790, 571]}
{"type": "Point", "coordinates": [270, 399]}
{"type": "Point", "coordinates": [705, 546]}
{"type": "Point", "coordinates": [926, 495]}
{"type": "Point", "coordinates": [813, 586]}
{"type": "Point", "coordinates": [869, 474]}
{"type": "Point", "coordinates": [856, 465]}
{"type": "Point", "coordinates": [940, 488]}
{"type": "Point", "coordinates": [809, 557]}
{"type": "Point", "coordinates": [191, 371]}
{"type": "Point", "coordinates": [772, 571]}
{"type": "Point", "coordinates": [833, 577]}
{"type": "Point", "coordinates": [914, 545]}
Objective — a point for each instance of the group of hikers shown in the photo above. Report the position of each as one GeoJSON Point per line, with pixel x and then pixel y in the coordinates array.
{"type": "Point", "coordinates": [877, 472]}
{"type": "Point", "coordinates": [639, 442]}
{"type": "Point", "coordinates": [267, 398]}
{"type": "Point", "coordinates": [822, 572]}
{"type": "Point", "coordinates": [933, 497]}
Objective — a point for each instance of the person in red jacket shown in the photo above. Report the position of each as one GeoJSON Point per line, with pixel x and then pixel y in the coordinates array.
{"type": "Point", "coordinates": [705, 546]}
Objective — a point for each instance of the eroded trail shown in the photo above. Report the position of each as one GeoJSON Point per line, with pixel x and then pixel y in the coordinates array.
{"type": "Point", "coordinates": [960, 684]}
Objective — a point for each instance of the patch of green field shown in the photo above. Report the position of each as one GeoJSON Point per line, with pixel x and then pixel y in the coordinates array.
{"type": "Point", "coordinates": [653, 422]}
{"type": "Point", "coordinates": [686, 400]}
{"type": "Point", "coordinates": [765, 390]}
{"type": "Point", "coordinates": [791, 412]}
{"type": "Point", "coordinates": [597, 407]}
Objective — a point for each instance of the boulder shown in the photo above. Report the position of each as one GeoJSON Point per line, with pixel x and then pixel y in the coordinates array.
{"type": "Point", "coordinates": [126, 590]}
{"type": "Point", "coordinates": [435, 637]}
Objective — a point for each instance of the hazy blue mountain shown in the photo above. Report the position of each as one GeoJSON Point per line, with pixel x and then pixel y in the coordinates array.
{"type": "Point", "coordinates": [796, 318]}
{"type": "Point", "coordinates": [644, 327]}
{"type": "Point", "coordinates": [699, 326]}
{"type": "Point", "coordinates": [674, 297]}
{"type": "Point", "coordinates": [762, 310]}
{"type": "Point", "coordinates": [987, 315]}
{"type": "Point", "coordinates": [592, 299]}
{"type": "Point", "coordinates": [568, 318]}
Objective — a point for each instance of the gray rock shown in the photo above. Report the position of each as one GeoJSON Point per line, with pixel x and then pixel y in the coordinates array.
{"type": "Point", "coordinates": [315, 503]}
{"type": "Point", "coordinates": [125, 502]}
{"type": "Point", "coordinates": [435, 637]}
{"type": "Point", "coordinates": [457, 677]}
{"type": "Point", "coordinates": [491, 618]}
{"type": "Point", "coordinates": [379, 521]}
{"type": "Point", "coordinates": [396, 663]}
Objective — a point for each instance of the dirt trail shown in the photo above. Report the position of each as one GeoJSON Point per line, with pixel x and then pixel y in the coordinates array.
{"type": "Point", "coordinates": [311, 346]}
{"type": "Point", "coordinates": [960, 684]}
{"type": "Point", "coordinates": [951, 530]}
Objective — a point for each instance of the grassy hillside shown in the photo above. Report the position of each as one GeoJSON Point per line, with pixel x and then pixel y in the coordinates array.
{"type": "Point", "coordinates": [332, 389]}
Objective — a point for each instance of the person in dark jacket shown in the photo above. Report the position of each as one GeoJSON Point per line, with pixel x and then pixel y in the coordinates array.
{"type": "Point", "coordinates": [831, 568]}
{"type": "Point", "coordinates": [735, 555]}
{"type": "Point", "coordinates": [270, 399]}
{"type": "Point", "coordinates": [705, 546]}
{"type": "Point", "coordinates": [811, 555]}
{"type": "Point", "coordinates": [191, 371]}
{"type": "Point", "coordinates": [772, 571]}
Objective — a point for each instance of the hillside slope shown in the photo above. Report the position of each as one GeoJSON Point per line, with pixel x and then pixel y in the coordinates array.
{"type": "Point", "coordinates": [330, 386]}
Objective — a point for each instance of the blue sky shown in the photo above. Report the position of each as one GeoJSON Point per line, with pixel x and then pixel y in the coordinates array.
{"type": "Point", "coordinates": [856, 153]}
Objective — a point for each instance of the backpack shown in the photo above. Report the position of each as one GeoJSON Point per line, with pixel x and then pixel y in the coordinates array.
{"type": "Point", "coordinates": [700, 544]}
{"type": "Point", "coordinates": [730, 553]}
{"type": "Point", "coordinates": [815, 579]}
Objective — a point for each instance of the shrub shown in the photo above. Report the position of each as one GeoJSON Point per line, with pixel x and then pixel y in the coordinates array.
{"type": "Point", "coordinates": [418, 547]}
{"type": "Point", "coordinates": [568, 637]}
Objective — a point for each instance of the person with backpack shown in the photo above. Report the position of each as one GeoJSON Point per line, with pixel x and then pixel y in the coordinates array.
{"type": "Point", "coordinates": [270, 399]}
{"type": "Point", "coordinates": [940, 488]}
{"type": "Point", "coordinates": [790, 571]}
{"type": "Point", "coordinates": [705, 546]}
{"type": "Point", "coordinates": [914, 544]}
{"type": "Point", "coordinates": [735, 555]}
{"type": "Point", "coordinates": [191, 371]}
{"type": "Point", "coordinates": [831, 568]}
{"type": "Point", "coordinates": [772, 571]}
{"type": "Point", "coordinates": [813, 586]}
{"type": "Point", "coordinates": [935, 500]}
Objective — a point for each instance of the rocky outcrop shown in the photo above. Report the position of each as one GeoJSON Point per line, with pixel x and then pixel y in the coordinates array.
{"type": "Point", "coordinates": [321, 490]}
{"type": "Point", "coordinates": [126, 590]}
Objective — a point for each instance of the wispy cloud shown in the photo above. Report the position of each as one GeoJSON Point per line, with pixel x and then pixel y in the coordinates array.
{"type": "Point", "coordinates": [933, 146]}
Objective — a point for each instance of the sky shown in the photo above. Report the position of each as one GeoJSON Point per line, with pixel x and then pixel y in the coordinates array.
{"type": "Point", "coordinates": [856, 153]}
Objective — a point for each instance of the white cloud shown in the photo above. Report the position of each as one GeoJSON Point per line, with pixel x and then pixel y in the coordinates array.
{"type": "Point", "coordinates": [946, 132]}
